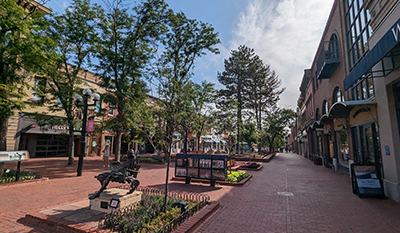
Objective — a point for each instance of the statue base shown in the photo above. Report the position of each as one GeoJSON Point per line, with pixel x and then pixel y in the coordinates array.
{"type": "Point", "coordinates": [114, 199]}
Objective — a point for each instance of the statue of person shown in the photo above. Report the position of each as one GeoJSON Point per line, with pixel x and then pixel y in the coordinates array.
{"type": "Point", "coordinates": [126, 172]}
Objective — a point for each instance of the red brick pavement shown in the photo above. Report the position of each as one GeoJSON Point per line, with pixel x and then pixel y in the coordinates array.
{"type": "Point", "coordinates": [322, 201]}
{"type": "Point", "coordinates": [64, 187]}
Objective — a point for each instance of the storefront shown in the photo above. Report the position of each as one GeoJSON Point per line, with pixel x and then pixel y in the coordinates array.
{"type": "Point", "coordinates": [46, 141]}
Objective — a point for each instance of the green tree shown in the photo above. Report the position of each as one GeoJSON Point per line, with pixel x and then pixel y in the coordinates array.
{"type": "Point", "coordinates": [250, 133]}
{"type": "Point", "coordinates": [262, 91]}
{"type": "Point", "coordinates": [275, 123]}
{"type": "Point", "coordinates": [23, 50]}
{"type": "Point", "coordinates": [202, 96]}
{"type": "Point", "coordinates": [185, 41]}
{"type": "Point", "coordinates": [224, 121]}
{"type": "Point", "coordinates": [234, 78]}
{"type": "Point", "coordinates": [75, 35]}
{"type": "Point", "coordinates": [128, 45]}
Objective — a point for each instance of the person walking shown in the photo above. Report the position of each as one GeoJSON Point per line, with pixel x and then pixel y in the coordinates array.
{"type": "Point", "coordinates": [106, 156]}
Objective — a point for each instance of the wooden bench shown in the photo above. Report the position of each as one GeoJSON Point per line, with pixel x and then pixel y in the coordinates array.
{"type": "Point", "coordinates": [231, 165]}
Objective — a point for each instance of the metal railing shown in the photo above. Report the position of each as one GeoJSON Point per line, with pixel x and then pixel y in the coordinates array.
{"type": "Point", "coordinates": [112, 220]}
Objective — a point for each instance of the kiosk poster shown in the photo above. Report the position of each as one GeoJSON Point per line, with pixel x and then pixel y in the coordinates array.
{"type": "Point", "coordinates": [367, 180]}
{"type": "Point", "coordinates": [193, 172]}
{"type": "Point", "coordinates": [180, 172]}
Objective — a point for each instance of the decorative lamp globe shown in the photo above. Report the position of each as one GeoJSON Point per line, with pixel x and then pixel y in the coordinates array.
{"type": "Point", "coordinates": [95, 97]}
{"type": "Point", "coordinates": [87, 92]}
{"type": "Point", "coordinates": [78, 98]}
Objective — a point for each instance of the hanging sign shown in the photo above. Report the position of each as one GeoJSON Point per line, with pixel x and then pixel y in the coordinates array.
{"type": "Point", "coordinates": [365, 180]}
{"type": "Point", "coordinates": [10, 156]}
{"type": "Point", "coordinates": [90, 126]}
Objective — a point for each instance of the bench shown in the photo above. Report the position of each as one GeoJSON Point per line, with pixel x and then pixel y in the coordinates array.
{"type": "Point", "coordinates": [231, 165]}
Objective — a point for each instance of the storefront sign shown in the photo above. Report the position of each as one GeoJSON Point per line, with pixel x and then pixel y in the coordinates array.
{"type": "Point", "coordinates": [10, 156]}
{"type": "Point", "coordinates": [365, 180]}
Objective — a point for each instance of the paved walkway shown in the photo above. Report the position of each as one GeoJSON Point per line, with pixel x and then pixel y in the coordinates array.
{"type": "Point", "coordinates": [322, 201]}
{"type": "Point", "coordinates": [64, 187]}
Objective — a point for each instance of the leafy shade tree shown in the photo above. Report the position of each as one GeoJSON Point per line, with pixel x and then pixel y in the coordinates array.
{"type": "Point", "coordinates": [275, 123]}
{"type": "Point", "coordinates": [185, 41]}
{"type": "Point", "coordinates": [23, 50]}
{"type": "Point", "coordinates": [250, 134]}
{"type": "Point", "coordinates": [234, 78]}
{"type": "Point", "coordinates": [224, 121]}
{"type": "Point", "coordinates": [75, 35]}
{"type": "Point", "coordinates": [202, 96]}
{"type": "Point", "coordinates": [123, 54]}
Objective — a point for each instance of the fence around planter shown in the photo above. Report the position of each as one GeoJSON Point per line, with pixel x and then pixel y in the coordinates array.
{"type": "Point", "coordinates": [202, 199]}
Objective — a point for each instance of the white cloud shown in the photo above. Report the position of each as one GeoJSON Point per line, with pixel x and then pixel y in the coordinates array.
{"type": "Point", "coordinates": [285, 34]}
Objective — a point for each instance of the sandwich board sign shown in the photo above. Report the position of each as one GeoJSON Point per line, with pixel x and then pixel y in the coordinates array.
{"type": "Point", "coordinates": [365, 180]}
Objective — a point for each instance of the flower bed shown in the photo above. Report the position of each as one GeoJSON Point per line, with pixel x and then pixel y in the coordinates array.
{"type": "Point", "coordinates": [10, 176]}
{"type": "Point", "coordinates": [147, 216]}
{"type": "Point", "coordinates": [237, 176]}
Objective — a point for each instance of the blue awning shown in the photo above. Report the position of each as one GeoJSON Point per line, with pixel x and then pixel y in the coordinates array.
{"type": "Point", "coordinates": [223, 141]}
{"type": "Point", "coordinates": [384, 45]}
{"type": "Point", "coordinates": [207, 141]}
{"type": "Point", "coordinates": [177, 134]}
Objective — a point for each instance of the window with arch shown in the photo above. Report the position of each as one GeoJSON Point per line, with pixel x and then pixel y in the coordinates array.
{"type": "Point", "coordinates": [337, 95]}
{"type": "Point", "coordinates": [333, 47]}
{"type": "Point", "coordinates": [317, 115]}
{"type": "Point", "coordinates": [325, 107]}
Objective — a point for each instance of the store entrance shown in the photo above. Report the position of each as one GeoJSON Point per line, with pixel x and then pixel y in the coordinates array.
{"type": "Point", "coordinates": [366, 145]}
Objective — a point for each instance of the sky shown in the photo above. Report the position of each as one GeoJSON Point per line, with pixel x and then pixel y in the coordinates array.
{"type": "Point", "coordinates": [284, 33]}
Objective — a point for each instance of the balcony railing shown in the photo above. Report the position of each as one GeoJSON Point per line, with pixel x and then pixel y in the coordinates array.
{"type": "Point", "coordinates": [328, 61]}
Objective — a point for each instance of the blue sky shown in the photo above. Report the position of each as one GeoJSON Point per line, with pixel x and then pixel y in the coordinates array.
{"type": "Point", "coordinates": [284, 33]}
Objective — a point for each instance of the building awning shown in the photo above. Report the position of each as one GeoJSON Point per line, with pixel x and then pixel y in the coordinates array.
{"type": "Point", "coordinates": [342, 109]}
{"type": "Point", "coordinates": [207, 141]}
{"type": "Point", "coordinates": [384, 46]}
{"type": "Point", "coordinates": [223, 141]}
{"type": "Point", "coordinates": [216, 141]}
{"type": "Point", "coordinates": [177, 134]}
{"type": "Point", "coordinates": [314, 125]}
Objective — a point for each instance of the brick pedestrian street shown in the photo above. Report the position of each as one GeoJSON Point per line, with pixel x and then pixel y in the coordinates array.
{"type": "Point", "coordinates": [311, 198]}
{"type": "Point", "coordinates": [322, 201]}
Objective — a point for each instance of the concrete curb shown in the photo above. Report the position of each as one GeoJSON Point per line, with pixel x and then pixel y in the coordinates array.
{"type": "Point", "coordinates": [24, 182]}
{"type": "Point", "coordinates": [241, 183]}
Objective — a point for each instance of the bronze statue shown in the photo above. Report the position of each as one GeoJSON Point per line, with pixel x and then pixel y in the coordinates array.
{"type": "Point", "coordinates": [126, 172]}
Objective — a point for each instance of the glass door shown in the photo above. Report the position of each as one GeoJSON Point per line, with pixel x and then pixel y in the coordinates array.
{"type": "Point", "coordinates": [343, 148]}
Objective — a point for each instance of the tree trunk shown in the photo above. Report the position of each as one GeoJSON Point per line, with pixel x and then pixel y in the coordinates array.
{"type": "Point", "coordinates": [168, 154]}
{"type": "Point", "coordinates": [118, 137]}
{"type": "Point", "coordinates": [185, 145]}
{"type": "Point", "coordinates": [3, 139]}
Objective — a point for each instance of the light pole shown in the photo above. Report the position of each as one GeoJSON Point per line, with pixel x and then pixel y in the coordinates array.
{"type": "Point", "coordinates": [78, 101]}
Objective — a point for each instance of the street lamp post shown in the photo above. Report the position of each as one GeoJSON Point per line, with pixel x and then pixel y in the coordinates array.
{"type": "Point", "coordinates": [78, 101]}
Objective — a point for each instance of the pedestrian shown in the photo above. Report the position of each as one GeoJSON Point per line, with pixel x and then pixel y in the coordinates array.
{"type": "Point", "coordinates": [106, 156]}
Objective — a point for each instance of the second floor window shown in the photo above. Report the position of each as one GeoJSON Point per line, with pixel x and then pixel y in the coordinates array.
{"type": "Point", "coordinates": [111, 109]}
{"type": "Point", "coordinates": [337, 95]}
{"type": "Point", "coordinates": [325, 107]}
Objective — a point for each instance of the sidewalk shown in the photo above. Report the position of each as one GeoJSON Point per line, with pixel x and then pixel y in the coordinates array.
{"type": "Point", "coordinates": [291, 194]}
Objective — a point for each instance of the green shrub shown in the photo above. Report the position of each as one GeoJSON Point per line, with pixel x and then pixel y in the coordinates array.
{"type": "Point", "coordinates": [151, 159]}
{"type": "Point", "coordinates": [237, 176]}
{"type": "Point", "coordinates": [10, 176]}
